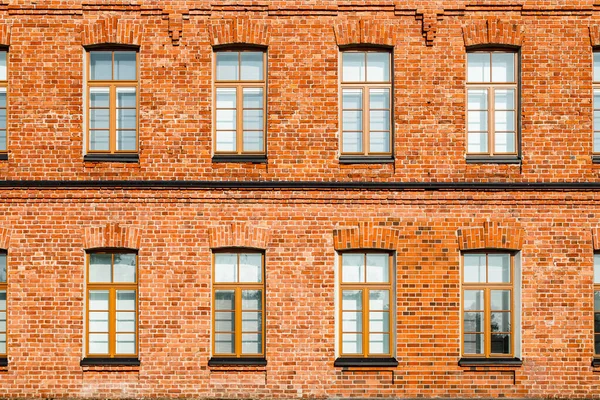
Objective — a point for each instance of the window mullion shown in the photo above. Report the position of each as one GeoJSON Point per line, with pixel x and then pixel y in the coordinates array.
{"type": "Point", "coordinates": [491, 120]}
{"type": "Point", "coordinates": [239, 118]}
{"type": "Point", "coordinates": [112, 316]}
{"type": "Point", "coordinates": [112, 118]}
{"type": "Point", "coordinates": [238, 322]}
{"type": "Point", "coordinates": [486, 323]}
{"type": "Point", "coordinates": [365, 321]}
{"type": "Point", "coordinates": [366, 115]}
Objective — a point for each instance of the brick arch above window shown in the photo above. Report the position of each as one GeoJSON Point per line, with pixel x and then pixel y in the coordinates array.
{"type": "Point", "coordinates": [239, 234]}
{"type": "Point", "coordinates": [491, 236]}
{"type": "Point", "coordinates": [112, 235]}
{"type": "Point", "coordinates": [363, 32]}
{"type": "Point", "coordinates": [492, 31]}
{"type": "Point", "coordinates": [594, 35]}
{"type": "Point", "coordinates": [596, 238]}
{"type": "Point", "coordinates": [365, 236]}
{"type": "Point", "coordinates": [112, 31]}
{"type": "Point", "coordinates": [4, 237]}
{"type": "Point", "coordinates": [5, 35]}
{"type": "Point", "coordinates": [238, 31]}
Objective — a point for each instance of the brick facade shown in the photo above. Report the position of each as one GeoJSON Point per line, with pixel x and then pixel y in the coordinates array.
{"type": "Point", "coordinates": [302, 206]}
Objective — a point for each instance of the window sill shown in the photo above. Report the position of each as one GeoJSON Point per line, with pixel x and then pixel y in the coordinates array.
{"type": "Point", "coordinates": [489, 362]}
{"type": "Point", "coordinates": [3, 156]}
{"type": "Point", "coordinates": [226, 361]}
{"type": "Point", "coordinates": [124, 158]}
{"type": "Point", "coordinates": [366, 160]}
{"type": "Point", "coordinates": [127, 362]}
{"type": "Point", "coordinates": [492, 160]}
{"type": "Point", "coordinates": [229, 158]}
{"type": "Point", "coordinates": [365, 362]}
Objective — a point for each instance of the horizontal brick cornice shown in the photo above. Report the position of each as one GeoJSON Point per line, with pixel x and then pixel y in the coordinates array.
{"type": "Point", "coordinates": [112, 30]}
{"type": "Point", "coordinates": [492, 31]}
{"type": "Point", "coordinates": [364, 32]}
{"type": "Point", "coordinates": [112, 235]}
{"type": "Point", "coordinates": [239, 234]}
{"type": "Point", "coordinates": [4, 237]}
{"type": "Point", "coordinates": [491, 236]}
{"type": "Point", "coordinates": [238, 31]}
{"type": "Point", "coordinates": [365, 236]}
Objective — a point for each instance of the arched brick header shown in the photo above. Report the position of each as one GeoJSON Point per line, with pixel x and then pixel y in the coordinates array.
{"type": "Point", "coordinates": [239, 234]}
{"type": "Point", "coordinates": [596, 238]}
{"type": "Point", "coordinates": [112, 30]}
{"type": "Point", "coordinates": [4, 238]}
{"type": "Point", "coordinates": [233, 31]}
{"type": "Point", "coordinates": [491, 236]}
{"type": "Point", "coordinates": [492, 31]}
{"type": "Point", "coordinates": [365, 236]}
{"type": "Point", "coordinates": [364, 32]}
{"type": "Point", "coordinates": [5, 35]}
{"type": "Point", "coordinates": [112, 235]}
{"type": "Point", "coordinates": [595, 35]}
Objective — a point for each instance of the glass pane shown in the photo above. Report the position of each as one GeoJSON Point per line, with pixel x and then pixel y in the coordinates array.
{"type": "Point", "coordinates": [352, 120]}
{"type": "Point", "coordinates": [100, 267]}
{"type": "Point", "coordinates": [505, 120]}
{"type": "Point", "coordinates": [126, 118]}
{"type": "Point", "coordinates": [379, 98]}
{"type": "Point", "coordinates": [226, 98]}
{"type": "Point", "coordinates": [500, 322]}
{"type": "Point", "coordinates": [477, 120]}
{"type": "Point", "coordinates": [500, 300]}
{"type": "Point", "coordinates": [251, 299]}
{"type": "Point", "coordinates": [253, 119]}
{"type": "Point", "coordinates": [253, 141]}
{"type": "Point", "coordinates": [352, 300]}
{"type": "Point", "coordinates": [224, 300]}
{"type": "Point", "coordinates": [352, 99]}
{"type": "Point", "coordinates": [101, 65]}
{"type": "Point", "coordinates": [2, 344]}
{"type": "Point", "coordinates": [126, 300]}
{"type": "Point", "coordinates": [251, 321]}
{"type": "Point", "coordinates": [3, 300]}
{"type": "Point", "coordinates": [224, 322]}
{"type": "Point", "coordinates": [499, 268]}
{"type": "Point", "coordinates": [596, 344]}
{"type": "Point", "coordinates": [379, 300]}
{"type": "Point", "coordinates": [379, 142]}
{"type": "Point", "coordinates": [227, 66]}
{"type": "Point", "coordinates": [596, 268]}
{"type": "Point", "coordinates": [478, 67]}
{"type": "Point", "coordinates": [474, 268]}
{"type": "Point", "coordinates": [3, 97]}
{"type": "Point", "coordinates": [377, 268]}
{"type": "Point", "coordinates": [126, 140]}
{"type": "Point", "coordinates": [98, 300]}
{"type": "Point", "coordinates": [478, 142]}
{"type": "Point", "coordinates": [126, 97]}
{"type": "Point", "coordinates": [3, 75]}
{"type": "Point", "coordinates": [98, 343]}
{"type": "Point", "coordinates": [224, 343]}
{"type": "Point", "coordinates": [252, 66]}
{"type": "Point", "coordinates": [2, 118]}
{"type": "Point", "coordinates": [596, 98]}
{"type": "Point", "coordinates": [352, 142]}
{"type": "Point", "coordinates": [473, 344]}
{"type": "Point", "coordinates": [125, 321]}
{"type": "Point", "coordinates": [353, 268]}
{"type": "Point", "coordinates": [125, 66]}
{"type": "Point", "coordinates": [353, 67]}
{"type": "Point", "coordinates": [473, 300]}
{"type": "Point", "coordinates": [597, 75]}
{"type": "Point", "coordinates": [379, 321]}
{"type": "Point", "coordinates": [505, 99]}
{"type": "Point", "coordinates": [477, 99]}
{"type": "Point", "coordinates": [99, 97]}
{"type": "Point", "coordinates": [596, 138]}
{"type": "Point", "coordinates": [99, 140]}
{"type": "Point", "coordinates": [2, 267]}
{"type": "Point", "coordinates": [125, 343]}
{"type": "Point", "coordinates": [226, 119]}
{"type": "Point", "coordinates": [124, 268]}
{"type": "Point", "coordinates": [98, 321]}
{"type": "Point", "coordinates": [99, 118]}
{"type": "Point", "coordinates": [505, 142]}
{"type": "Point", "coordinates": [225, 267]}
{"type": "Point", "coordinates": [501, 344]}
{"type": "Point", "coordinates": [352, 343]}
{"type": "Point", "coordinates": [597, 301]}
{"type": "Point", "coordinates": [253, 98]}
{"type": "Point", "coordinates": [473, 322]}
{"type": "Point", "coordinates": [351, 321]}
{"type": "Point", "coordinates": [379, 343]}
{"type": "Point", "coordinates": [3, 321]}
{"type": "Point", "coordinates": [596, 121]}
{"type": "Point", "coordinates": [378, 67]}
{"type": "Point", "coordinates": [251, 343]}
{"type": "Point", "coordinates": [2, 140]}
{"type": "Point", "coordinates": [379, 120]}
{"type": "Point", "coordinates": [250, 268]}
{"type": "Point", "coordinates": [596, 322]}
{"type": "Point", "coordinates": [503, 67]}
{"type": "Point", "coordinates": [225, 141]}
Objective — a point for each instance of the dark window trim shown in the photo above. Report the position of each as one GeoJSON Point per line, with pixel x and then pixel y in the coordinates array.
{"type": "Point", "coordinates": [226, 158]}
{"type": "Point", "coordinates": [596, 159]}
{"type": "Point", "coordinates": [596, 362]}
{"type": "Point", "coordinates": [240, 47]}
{"type": "Point", "coordinates": [248, 361]}
{"type": "Point", "coordinates": [365, 362]}
{"type": "Point", "coordinates": [112, 47]}
{"type": "Point", "coordinates": [366, 160]}
{"type": "Point", "coordinates": [3, 361]}
{"type": "Point", "coordinates": [492, 160]}
{"type": "Point", "coordinates": [106, 361]}
{"type": "Point", "coordinates": [125, 158]}
{"type": "Point", "coordinates": [3, 156]}
{"type": "Point", "coordinates": [492, 362]}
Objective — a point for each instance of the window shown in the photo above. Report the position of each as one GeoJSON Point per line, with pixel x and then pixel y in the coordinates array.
{"type": "Point", "coordinates": [492, 103]}
{"type": "Point", "coordinates": [3, 288]}
{"type": "Point", "coordinates": [112, 103]}
{"type": "Point", "coordinates": [240, 101]}
{"type": "Point", "coordinates": [112, 305]}
{"type": "Point", "coordinates": [3, 90]}
{"type": "Point", "coordinates": [596, 86]}
{"type": "Point", "coordinates": [365, 307]}
{"type": "Point", "coordinates": [488, 305]}
{"type": "Point", "coordinates": [366, 103]}
{"type": "Point", "coordinates": [238, 305]}
{"type": "Point", "coordinates": [597, 305]}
